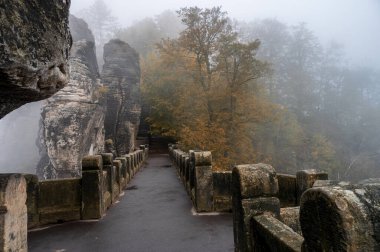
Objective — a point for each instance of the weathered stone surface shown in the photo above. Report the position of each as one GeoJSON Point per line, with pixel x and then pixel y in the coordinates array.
{"type": "Point", "coordinates": [121, 75]}
{"type": "Point", "coordinates": [33, 191]}
{"type": "Point", "coordinates": [92, 163]}
{"type": "Point", "coordinates": [269, 234]}
{"type": "Point", "coordinates": [222, 191]}
{"type": "Point", "coordinates": [72, 121]}
{"type": "Point", "coordinates": [79, 29]}
{"type": "Point", "coordinates": [287, 192]}
{"type": "Point", "coordinates": [256, 180]}
{"type": "Point", "coordinates": [13, 213]}
{"type": "Point", "coordinates": [306, 179]}
{"type": "Point", "coordinates": [254, 190]}
{"type": "Point", "coordinates": [202, 158]}
{"type": "Point", "coordinates": [342, 217]}
{"type": "Point", "coordinates": [118, 177]}
{"type": "Point", "coordinates": [203, 178]}
{"type": "Point", "coordinates": [107, 158]}
{"type": "Point", "coordinates": [34, 49]}
{"type": "Point", "coordinates": [124, 172]}
{"type": "Point", "coordinates": [59, 200]}
{"type": "Point", "coordinates": [92, 194]}
{"type": "Point", "coordinates": [290, 216]}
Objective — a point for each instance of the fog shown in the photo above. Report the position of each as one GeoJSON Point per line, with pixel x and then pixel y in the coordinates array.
{"type": "Point", "coordinates": [332, 104]}
{"type": "Point", "coordinates": [352, 23]}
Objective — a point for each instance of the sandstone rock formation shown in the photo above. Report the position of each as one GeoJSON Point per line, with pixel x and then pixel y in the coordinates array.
{"type": "Point", "coordinates": [121, 74]}
{"type": "Point", "coordinates": [34, 49]}
{"type": "Point", "coordinates": [72, 123]}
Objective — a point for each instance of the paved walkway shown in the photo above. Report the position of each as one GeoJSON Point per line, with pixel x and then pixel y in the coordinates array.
{"type": "Point", "coordinates": [154, 215]}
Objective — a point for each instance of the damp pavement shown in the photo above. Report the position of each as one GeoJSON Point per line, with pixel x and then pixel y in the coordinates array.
{"type": "Point", "coordinates": [154, 215]}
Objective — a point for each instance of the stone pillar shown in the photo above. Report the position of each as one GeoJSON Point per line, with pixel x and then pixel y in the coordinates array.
{"type": "Point", "coordinates": [92, 191]}
{"type": "Point", "coordinates": [129, 167]}
{"type": "Point", "coordinates": [111, 174]}
{"type": "Point", "coordinates": [13, 213]}
{"type": "Point", "coordinates": [187, 171]}
{"type": "Point", "coordinates": [254, 190]}
{"type": "Point", "coordinates": [203, 181]}
{"type": "Point", "coordinates": [305, 180]}
{"type": "Point", "coordinates": [341, 217]}
{"type": "Point", "coordinates": [124, 172]}
{"type": "Point", "coordinates": [118, 177]}
{"type": "Point", "coordinates": [32, 190]}
{"type": "Point", "coordinates": [192, 174]}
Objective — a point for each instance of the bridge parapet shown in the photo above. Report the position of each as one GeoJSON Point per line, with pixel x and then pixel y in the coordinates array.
{"type": "Point", "coordinates": [54, 201]}
{"type": "Point", "coordinates": [332, 216]}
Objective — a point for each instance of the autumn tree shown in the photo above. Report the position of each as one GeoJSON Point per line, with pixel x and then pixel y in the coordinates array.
{"type": "Point", "coordinates": [215, 93]}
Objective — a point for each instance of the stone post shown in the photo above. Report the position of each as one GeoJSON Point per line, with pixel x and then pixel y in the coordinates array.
{"type": "Point", "coordinates": [111, 174]}
{"type": "Point", "coordinates": [203, 181]}
{"type": "Point", "coordinates": [305, 180]}
{"type": "Point", "coordinates": [32, 190]}
{"type": "Point", "coordinates": [254, 190]}
{"type": "Point", "coordinates": [192, 174]}
{"type": "Point", "coordinates": [341, 217]}
{"type": "Point", "coordinates": [13, 213]}
{"type": "Point", "coordinates": [118, 177]}
{"type": "Point", "coordinates": [187, 171]}
{"type": "Point", "coordinates": [129, 167]}
{"type": "Point", "coordinates": [124, 172]}
{"type": "Point", "coordinates": [92, 191]}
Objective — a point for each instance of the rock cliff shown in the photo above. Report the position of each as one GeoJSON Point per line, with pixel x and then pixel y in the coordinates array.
{"type": "Point", "coordinates": [121, 75]}
{"type": "Point", "coordinates": [34, 49]}
{"type": "Point", "coordinates": [72, 121]}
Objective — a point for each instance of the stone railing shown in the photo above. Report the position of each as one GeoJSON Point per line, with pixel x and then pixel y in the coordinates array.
{"type": "Point", "coordinates": [27, 203]}
{"type": "Point", "coordinates": [209, 190]}
{"type": "Point", "coordinates": [332, 216]}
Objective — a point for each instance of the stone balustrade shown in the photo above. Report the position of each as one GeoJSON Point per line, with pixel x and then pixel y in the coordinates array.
{"type": "Point", "coordinates": [27, 203]}
{"type": "Point", "coordinates": [332, 216]}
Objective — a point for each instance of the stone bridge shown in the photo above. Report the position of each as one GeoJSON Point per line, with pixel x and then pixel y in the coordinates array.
{"type": "Point", "coordinates": [251, 208]}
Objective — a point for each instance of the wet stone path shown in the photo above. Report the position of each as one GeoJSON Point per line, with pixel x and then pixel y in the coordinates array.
{"type": "Point", "coordinates": [153, 215]}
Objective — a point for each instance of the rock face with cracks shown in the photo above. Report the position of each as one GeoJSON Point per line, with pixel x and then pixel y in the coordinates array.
{"type": "Point", "coordinates": [34, 48]}
{"type": "Point", "coordinates": [72, 121]}
{"type": "Point", "coordinates": [121, 75]}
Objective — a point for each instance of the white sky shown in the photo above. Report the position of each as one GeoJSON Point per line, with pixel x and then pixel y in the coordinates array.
{"type": "Point", "coordinates": [353, 23]}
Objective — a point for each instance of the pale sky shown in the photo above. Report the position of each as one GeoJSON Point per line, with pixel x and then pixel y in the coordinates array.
{"type": "Point", "coordinates": [353, 23]}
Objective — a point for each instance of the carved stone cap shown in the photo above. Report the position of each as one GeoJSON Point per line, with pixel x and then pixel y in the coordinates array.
{"type": "Point", "coordinates": [256, 180]}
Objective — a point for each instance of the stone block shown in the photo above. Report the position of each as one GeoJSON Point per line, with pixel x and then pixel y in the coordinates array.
{"type": "Point", "coordinates": [13, 213]}
{"type": "Point", "coordinates": [124, 172]}
{"type": "Point", "coordinates": [92, 163]}
{"type": "Point", "coordinates": [290, 216]}
{"type": "Point", "coordinates": [202, 158]}
{"type": "Point", "coordinates": [92, 195]}
{"type": "Point", "coordinates": [256, 180]}
{"type": "Point", "coordinates": [60, 200]}
{"type": "Point", "coordinates": [107, 199]}
{"type": "Point", "coordinates": [222, 191]}
{"type": "Point", "coordinates": [129, 167]}
{"type": "Point", "coordinates": [203, 189]}
{"type": "Point", "coordinates": [111, 182]}
{"type": "Point", "coordinates": [341, 217]}
{"type": "Point", "coordinates": [107, 158]}
{"type": "Point", "coordinates": [270, 234]}
{"type": "Point", "coordinates": [32, 191]}
{"type": "Point", "coordinates": [306, 179]}
{"type": "Point", "coordinates": [118, 178]}
{"type": "Point", "coordinates": [254, 189]}
{"type": "Point", "coordinates": [287, 192]}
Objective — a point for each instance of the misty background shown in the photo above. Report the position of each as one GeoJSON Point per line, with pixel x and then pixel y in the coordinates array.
{"type": "Point", "coordinates": [335, 114]}
{"type": "Point", "coordinates": [352, 23]}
